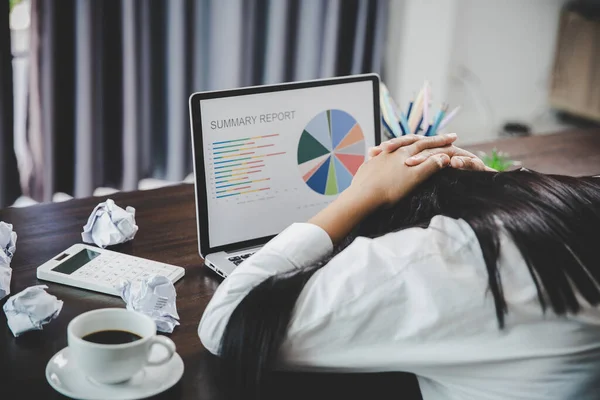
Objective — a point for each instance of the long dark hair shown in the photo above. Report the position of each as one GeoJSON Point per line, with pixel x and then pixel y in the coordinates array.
{"type": "Point", "coordinates": [553, 220]}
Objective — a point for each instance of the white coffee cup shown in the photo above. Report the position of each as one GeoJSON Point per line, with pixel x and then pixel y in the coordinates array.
{"type": "Point", "coordinates": [114, 363]}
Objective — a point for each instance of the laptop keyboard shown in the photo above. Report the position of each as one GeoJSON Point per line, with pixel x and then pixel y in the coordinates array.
{"type": "Point", "coordinates": [237, 260]}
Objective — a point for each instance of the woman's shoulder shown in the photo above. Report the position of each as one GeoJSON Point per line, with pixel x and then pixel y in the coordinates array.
{"type": "Point", "coordinates": [444, 235]}
{"type": "Point", "coordinates": [412, 269]}
{"type": "Point", "coordinates": [435, 251]}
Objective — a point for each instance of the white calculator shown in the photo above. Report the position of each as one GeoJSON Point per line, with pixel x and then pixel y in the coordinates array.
{"type": "Point", "coordinates": [101, 270]}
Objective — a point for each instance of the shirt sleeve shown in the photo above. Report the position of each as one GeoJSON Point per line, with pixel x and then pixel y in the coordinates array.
{"type": "Point", "coordinates": [300, 245]}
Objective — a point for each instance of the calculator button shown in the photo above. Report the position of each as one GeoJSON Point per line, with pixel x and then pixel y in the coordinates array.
{"type": "Point", "coordinates": [104, 280]}
{"type": "Point", "coordinates": [109, 271]}
{"type": "Point", "coordinates": [145, 275]}
{"type": "Point", "coordinates": [113, 275]}
{"type": "Point", "coordinates": [89, 267]}
{"type": "Point", "coordinates": [119, 266]}
{"type": "Point", "coordinates": [84, 271]}
{"type": "Point", "coordinates": [77, 274]}
{"type": "Point", "coordinates": [104, 270]}
{"type": "Point", "coordinates": [129, 275]}
{"type": "Point", "coordinates": [97, 277]}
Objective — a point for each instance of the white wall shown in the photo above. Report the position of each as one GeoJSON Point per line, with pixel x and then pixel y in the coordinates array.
{"type": "Point", "coordinates": [416, 54]}
{"type": "Point", "coordinates": [491, 57]}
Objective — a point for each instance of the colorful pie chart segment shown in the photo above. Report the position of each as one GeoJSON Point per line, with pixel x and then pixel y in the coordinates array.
{"type": "Point", "coordinates": [330, 151]}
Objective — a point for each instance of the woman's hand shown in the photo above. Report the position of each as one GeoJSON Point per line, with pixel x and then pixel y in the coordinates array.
{"type": "Point", "coordinates": [459, 158]}
{"type": "Point", "coordinates": [389, 176]}
{"type": "Point", "coordinates": [383, 180]}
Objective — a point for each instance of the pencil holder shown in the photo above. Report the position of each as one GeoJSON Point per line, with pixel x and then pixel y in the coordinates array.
{"type": "Point", "coordinates": [419, 119]}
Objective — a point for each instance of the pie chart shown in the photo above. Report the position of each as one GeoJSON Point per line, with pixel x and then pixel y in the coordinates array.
{"type": "Point", "coordinates": [330, 151]}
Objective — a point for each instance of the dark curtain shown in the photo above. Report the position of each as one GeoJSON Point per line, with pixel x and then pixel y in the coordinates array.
{"type": "Point", "coordinates": [9, 178]}
{"type": "Point", "coordinates": [110, 80]}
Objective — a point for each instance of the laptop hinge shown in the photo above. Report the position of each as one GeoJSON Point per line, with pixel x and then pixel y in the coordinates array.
{"type": "Point", "coordinates": [244, 249]}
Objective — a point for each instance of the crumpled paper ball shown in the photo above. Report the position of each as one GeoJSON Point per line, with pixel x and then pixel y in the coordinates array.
{"type": "Point", "coordinates": [31, 308]}
{"type": "Point", "coordinates": [154, 296]}
{"type": "Point", "coordinates": [109, 224]}
{"type": "Point", "coordinates": [8, 246]}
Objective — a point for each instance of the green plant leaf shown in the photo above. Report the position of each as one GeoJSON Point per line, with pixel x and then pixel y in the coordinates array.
{"type": "Point", "coordinates": [497, 160]}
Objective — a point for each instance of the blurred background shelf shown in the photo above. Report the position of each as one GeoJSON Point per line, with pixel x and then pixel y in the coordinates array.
{"type": "Point", "coordinates": [575, 85]}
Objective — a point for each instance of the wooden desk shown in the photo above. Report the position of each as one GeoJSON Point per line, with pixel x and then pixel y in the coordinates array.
{"type": "Point", "coordinates": [575, 152]}
{"type": "Point", "coordinates": [166, 218]}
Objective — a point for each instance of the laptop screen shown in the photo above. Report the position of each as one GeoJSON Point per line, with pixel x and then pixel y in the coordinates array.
{"type": "Point", "coordinates": [272, 159]}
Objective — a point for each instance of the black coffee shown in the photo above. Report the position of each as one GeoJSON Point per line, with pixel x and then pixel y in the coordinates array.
{"type": "Point", "coordinates": [111, 337]}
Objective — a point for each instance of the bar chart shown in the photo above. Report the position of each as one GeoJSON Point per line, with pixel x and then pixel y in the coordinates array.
{"type": "Point", "coordinates": [239, 165]}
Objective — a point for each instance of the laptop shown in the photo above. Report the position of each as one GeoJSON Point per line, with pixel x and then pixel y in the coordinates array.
{"type": "Point", "coordinates": [268, 156]}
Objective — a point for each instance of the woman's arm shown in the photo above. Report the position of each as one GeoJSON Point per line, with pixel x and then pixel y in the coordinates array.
{"type": "Point", "coordinates": [298, 246]}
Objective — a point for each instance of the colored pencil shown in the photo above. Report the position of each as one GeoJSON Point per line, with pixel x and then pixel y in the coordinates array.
{"type": "Point", "coordinates": [426, 100]}
{"type": "Point", "coordinates": [420, 126]}
{"type": "Point", "coordinates": [404, 124]}
{"type": "Point", "coordinates": [389, 129]}
{"type": "Point", "coordinates": [389, 124]}
{"type": "Point", "coordinates": [428, 128]}
{"type": "Point", "coordinates": [416, 113]}
{"type": "Point", "coordinates": [449, 117]}
{"type": "Point", "coordinates": [388, 113]}
{"type": "Point", "coordinates": [390, 120]}
{"type": "Point", "coordinates": [438, 120]}
{"type": "Point", "coordinates": [400, 117]}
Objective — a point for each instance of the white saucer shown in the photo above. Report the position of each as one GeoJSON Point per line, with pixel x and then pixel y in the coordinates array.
{"type": "Point", "coordinates": [64, 376]}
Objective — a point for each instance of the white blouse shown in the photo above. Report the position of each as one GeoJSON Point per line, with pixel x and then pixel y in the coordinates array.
{"type": "Point", "coordinates": [418, 301]}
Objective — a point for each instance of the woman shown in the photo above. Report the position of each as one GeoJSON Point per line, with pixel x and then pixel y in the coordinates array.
{"type": "Point", "coordinates": [483, 284]}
